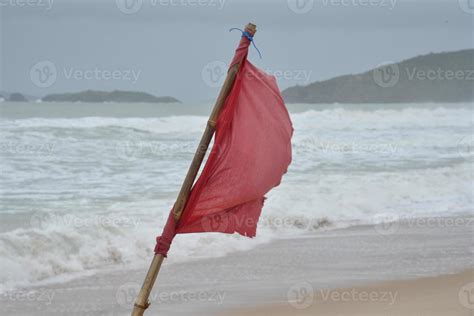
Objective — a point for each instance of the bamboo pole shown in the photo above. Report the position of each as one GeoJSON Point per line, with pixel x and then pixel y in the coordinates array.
{"type": "Point", "coordinates": [142, 303]}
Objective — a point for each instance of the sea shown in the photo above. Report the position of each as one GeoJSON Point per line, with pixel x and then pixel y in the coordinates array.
{"type": "Point", "coordinates": [86, 188]}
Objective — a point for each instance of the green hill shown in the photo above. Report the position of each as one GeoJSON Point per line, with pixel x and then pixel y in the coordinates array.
{"type": "Point", "coordinates": [103, 96]}
{"type": "Point", "coordinates": [440, 77]}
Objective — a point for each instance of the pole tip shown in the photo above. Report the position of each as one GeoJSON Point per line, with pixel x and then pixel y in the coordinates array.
{"type": "Point", "coordinates": [251, 27]}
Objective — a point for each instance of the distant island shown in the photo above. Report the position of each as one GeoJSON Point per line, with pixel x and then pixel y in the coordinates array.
{"type": "Point", "coordinates": [117, 96]}
{"type": "Point", "coordinates": [16, 97]}
{"type": "Point", "coordinates": [437, 77]}
{"type": "Point", "coordinates": [13, 97]}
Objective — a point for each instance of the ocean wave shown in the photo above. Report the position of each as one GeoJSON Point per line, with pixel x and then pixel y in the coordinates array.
{"type": "Point", "coordinates": [159, 125]}
{"type": "Point", "coordinates": [381, 118]}
{"type": "Point", "coordinates": [58, 246]}
{"type": "Point", "coordinates": [95, 191]}
{"type": "Point", "coordinates": [61, 243]}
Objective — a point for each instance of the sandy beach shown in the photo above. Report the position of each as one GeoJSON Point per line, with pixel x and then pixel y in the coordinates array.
{"type": "Point", "coordinates": [405, 268]}
{"type": "Point", "coordinates": [443, 295]}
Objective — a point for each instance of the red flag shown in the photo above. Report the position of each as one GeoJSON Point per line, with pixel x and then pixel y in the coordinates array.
{"type": "Point", "coordinates": [251, 152]}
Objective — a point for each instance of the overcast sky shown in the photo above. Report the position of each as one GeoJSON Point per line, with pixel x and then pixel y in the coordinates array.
{"type": "Point", "coordinates": [179, 47]}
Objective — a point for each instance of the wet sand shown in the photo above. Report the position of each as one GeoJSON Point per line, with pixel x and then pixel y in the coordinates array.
{"type": "Point", "coordinates": [436, 296]}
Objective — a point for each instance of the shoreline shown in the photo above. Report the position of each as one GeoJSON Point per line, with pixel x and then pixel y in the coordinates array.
{"type": "Point", "coordinates": [263, 276]}
{"type": "Point", "coordinates": [385, 229]}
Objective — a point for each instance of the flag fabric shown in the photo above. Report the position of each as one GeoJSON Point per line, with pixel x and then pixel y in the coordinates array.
{"type": "Point", "coordinates": [251, 153]}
